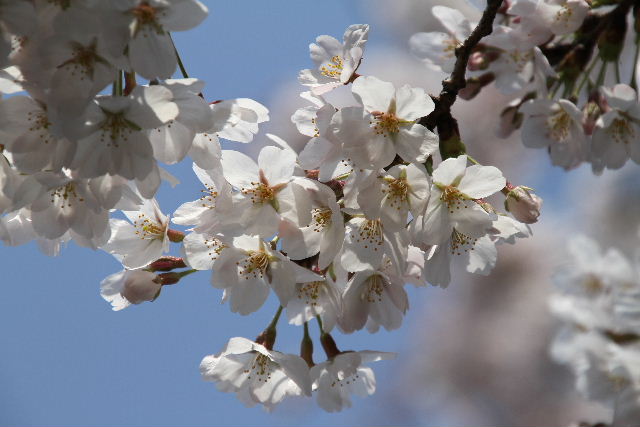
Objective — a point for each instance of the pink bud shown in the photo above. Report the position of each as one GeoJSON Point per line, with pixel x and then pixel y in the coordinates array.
{"type": "Point", "coordinates": [523, 205]}
{"type": "Point", "coordinates": [139, 286]}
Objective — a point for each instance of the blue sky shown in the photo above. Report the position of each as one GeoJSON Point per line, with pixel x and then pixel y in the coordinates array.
{"type": "Point", "coordinates": [67, 359]}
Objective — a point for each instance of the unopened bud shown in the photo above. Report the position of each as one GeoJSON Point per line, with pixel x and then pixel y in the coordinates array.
{"type": "Point", "coordinates": [175, 236]}
{"type": "Point", "coordinates": [451, 144]}
{"type": "Point", "coordinates": [166, 263]}
{"type": "Point", "coordinates": [523, 204]}
{"type": "Point", "coordinates": [140, 286]}
{"type": "Point", "coordinates": [474, 85]}
{"type": "Point", "coordinates": [611, 40]}
{"type": "Point", "coordinates": [168, 278]}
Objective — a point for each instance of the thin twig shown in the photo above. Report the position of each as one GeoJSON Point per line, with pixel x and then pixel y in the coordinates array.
{"type": "Point", "coordinates": [457, 81]}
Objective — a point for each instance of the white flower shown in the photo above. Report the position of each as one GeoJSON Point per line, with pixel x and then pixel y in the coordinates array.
{"type": "Point", "coordinates": [437, 49]}
{"type": "Point", "coordinates": [238, 119]}
{"type": "Point", "coordinates": [151, 50]}
{"type": "Point", "coordinates": [264, 193]}
{"type": "Point", "coordinates": [323, 151]}
{"type": "Point", "coordinates": [336, 62]}
{"type": "Point", "coordinates": [208, 212]}
{"type": "Point", "coordinates": [541, 18]}
{"type": "Point", "coordinates": [452, 213]}
{"type": "Point", "coordinates": [117, 142]}
{"type": "Point", "coordinates": [343, 375]}
{"type": "Point", "coordinates": [393, 194]}
{"type": "Point", "coordinates": [172, 141]}
{"type": "Point", "coordinates": [144, 239]}
{"type": "Point", "coordinates": [617, 134]}
{"type": "Point", "coordinates": [318, 298]}
{"type": "Point", "coordinates": [322, 232]}
{"type": "Point", "coordinates": [558, 126]}
{"type": "Point", "coordinates": [374, 298]}
{"type": "Point", "coordinates": [248, 268]}
{"type": "Point", "coordinates": [386, 125]}
{"type": "Point", "coordinates": [26, 130]}
{"type": "Point", "coordinates": [202, 250]}
{"type": "Point", "coordinates": [256, 374]}
{"type": "Point", "coordinates": [368, 240]}
{"type": "Point", "coordinates": [129, 287]}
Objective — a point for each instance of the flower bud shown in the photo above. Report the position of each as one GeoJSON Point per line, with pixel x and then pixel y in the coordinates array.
{"type": "Point", "coordinates": [140, 286]}
{"type": "Point", "coordinates": [523, 205]}
{"type": "Point", "coordinates": [611, 40]}
{"type": "Point", "coordinates": [474, 85]}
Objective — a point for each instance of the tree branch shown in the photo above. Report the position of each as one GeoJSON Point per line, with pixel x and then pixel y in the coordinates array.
{"type": "Point", "coordinates": [457, 81]}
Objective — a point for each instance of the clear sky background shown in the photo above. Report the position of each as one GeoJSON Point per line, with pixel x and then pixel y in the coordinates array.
{"type": "Point", "coordinates": [67, 359]}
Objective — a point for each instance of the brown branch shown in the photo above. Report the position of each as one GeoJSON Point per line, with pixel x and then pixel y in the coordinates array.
{"type": "Point", "coordinates": [456, 81]}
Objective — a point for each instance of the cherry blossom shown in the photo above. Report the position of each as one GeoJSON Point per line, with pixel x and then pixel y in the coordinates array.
{"type": "Point", "coordinates": [256, 374]}
{"type": "Point", "coordinates": [129, 287]}
{"type": "Point", "coordinates": [385, 125]}
{"type": "Point", "coordinates": [336, 62]}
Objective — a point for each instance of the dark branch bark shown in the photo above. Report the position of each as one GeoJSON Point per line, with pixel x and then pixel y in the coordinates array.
{"type": "Point", "coordinates": [457, 81]}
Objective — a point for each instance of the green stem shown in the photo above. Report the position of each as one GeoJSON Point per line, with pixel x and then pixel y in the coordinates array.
{"type": "Point", "coordinates": [601, 74]}
{"type": "Point", "coordinates": [320, 325]}
{"type": "Point", "coordinates": [472, 160]}
{"type": "Point", "coordinates": [274, 322]}
{"type": "Point", "coordinates": [586, 76]}
{"type": "Point", "coordinates": [180, 64]}
{"type": "Point", "coordinates": [617, 69]}
{"type": "Point", "coordinates": [186, 272]}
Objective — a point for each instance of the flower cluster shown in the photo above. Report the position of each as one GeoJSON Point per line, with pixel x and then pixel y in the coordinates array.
{"type": "Point", "coordinates": [597, 298]}
{"type": "Point", "coordinates": [560, 62]}
{"type": "Point", "coordinates": [336, 231]}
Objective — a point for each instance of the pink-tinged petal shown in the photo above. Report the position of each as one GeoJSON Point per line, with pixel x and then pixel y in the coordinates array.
{"type": "Point", "coordinates": [282, 279]}
{"type": "Point", "coordinates": [373, 93]}
{"type": "Point", "coordinates": [296, 369]}
{"type": "Point", "coordinates": [183, 15]}
{"type": "Point", "coordinates": [152, 54]}
{"type": "Point", "coordinates": [239, 169]}
{"type": "Point", "coordinates": [412, 103]}
{"type": "Point", "coordinates": [453, 20]}
{"type": "Point", "coordinates": [437, 267]}
{"type": "Point", "coordinates": [450, 170]}
{"type": "Point", "coordinates": [437, 226]}
{"type": "Point", "coordinates": [324, 49]}
{"type": "Point", "coordinates": [277, 164]}
{"type": "Point", "coordinates": [416, 143]}
{"type": "Point", "coordinates": [483, 257]}
{"type": "Point", "coordinates": [481, 181]}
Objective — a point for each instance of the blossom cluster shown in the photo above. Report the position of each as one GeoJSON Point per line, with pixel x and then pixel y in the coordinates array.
{"type": "Point", "coordinates": [560, 63]}
{"type": "Point", "coordinates": [336, 230]}
{"type": "Point", "coordinates": [597, 298]}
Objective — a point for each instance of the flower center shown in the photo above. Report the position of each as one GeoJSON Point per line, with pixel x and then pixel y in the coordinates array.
{"type": "Point", "coordinates": [65, 195]}
{"type": "Point", "coordinates": [261, 368]}
{"type": "Point", "coordinates": [255, 265]}
{"type": "Point", "coordinates": [146, 16]}
{"type": "Point", "coordinates": [321, 219]}
{"type": "Point", "coordinates": [461, 243]}
{"type": "Point", "coordinates": [397, 191]}
{"type": "Point", "coordinates": [373, 289]}
{"type": "Point", "coordinates": [39, 122]}
{"type": "Point", "coordinates": [452, 197]}
{"type": "Point", "coordinates": [558, 125]}
{"type": "Point", "coordinates": [209, 199]}
{"type": "Point", "coordinates": [333, 69]}
{"type": "Point", "coordinates": [344, 381]}
{"type": "Point", "coordinates": [310, 292]}
{"type": "Point", "coordinates": [592, 284]}
{"type": "Point", "coordinates": [116, 128]}
{"type": "Point", "coordinates": [147, 229]}
{"type": "Point", "coordinates": [622, 131]}
{"type": "Point", "coordinates": [385, 123]}
{"type": "Point", "coordinates": [370, 233]}
{"type": "Point", "coordinates": [215, 247]}
{"type": "Point", "coordinates": [564, 13]}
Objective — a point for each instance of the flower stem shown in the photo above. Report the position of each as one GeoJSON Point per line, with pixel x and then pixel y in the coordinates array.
{"type": "Point", "coordinates": [320, 325]}
{"type": "Point", "coordinates": [186, 272]}
{"type": "Point", "coordinates": [633, 83]}
{"type": "Point", "coordinates": [180, 64]}
{"type": "Point", "coordinates": [274, 322]}
{"type": "Point", "coordinates": [601, 74]}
